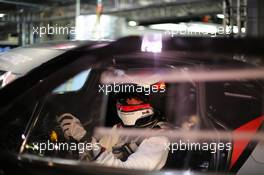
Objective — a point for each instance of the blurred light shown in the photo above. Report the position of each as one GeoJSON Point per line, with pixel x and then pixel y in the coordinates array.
{"type": "Point", "coordinates": [188, 172]}
{"type": "Point", "coordinates": [152, 43]}
{"type": "Point", "coordinates": [221, 16]}
{"type": "Point", "coordinates": [132, 23]}
{"type": "Point", "coordinates": [167, 26]}
{"type": "Point", "coordinates": [2, 15]}
{"type": "Point", "coordinates": [64, 46]}
{"type": "Point", "coordinates": [88, 27]}
{"type": "Point", "coordinates": [50, 163]}
{"type": "Point", "coordinates": [141, 28]}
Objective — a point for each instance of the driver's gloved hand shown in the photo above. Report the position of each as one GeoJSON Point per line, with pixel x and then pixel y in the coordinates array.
{"type": "Point", "coordinates": [71, 126]}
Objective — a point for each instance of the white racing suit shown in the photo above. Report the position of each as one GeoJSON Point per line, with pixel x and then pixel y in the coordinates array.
{"type": "Point", "coordinates": [148, 154]}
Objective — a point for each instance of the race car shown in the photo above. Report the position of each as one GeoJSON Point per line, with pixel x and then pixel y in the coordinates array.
{"type": "Point", "coordinates": [213, 98]}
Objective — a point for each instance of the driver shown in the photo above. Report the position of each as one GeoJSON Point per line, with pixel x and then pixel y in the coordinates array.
{"type": "Point", "coordinates": [135, 111]}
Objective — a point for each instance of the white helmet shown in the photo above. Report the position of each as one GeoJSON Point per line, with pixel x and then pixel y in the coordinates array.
{"type": "Point", "coordinates": [138, 115]}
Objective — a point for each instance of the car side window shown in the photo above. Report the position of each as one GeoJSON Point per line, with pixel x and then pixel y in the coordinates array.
{"type": "Point", "coordinates": [73, 84]}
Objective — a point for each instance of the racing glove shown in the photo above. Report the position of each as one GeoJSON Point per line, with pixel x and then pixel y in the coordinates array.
{"type": "Point", "coordinates": [71, 127]}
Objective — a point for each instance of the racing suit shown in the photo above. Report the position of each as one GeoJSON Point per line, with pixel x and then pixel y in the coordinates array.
{"type": "Point", "coordinates": [146, 154]}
